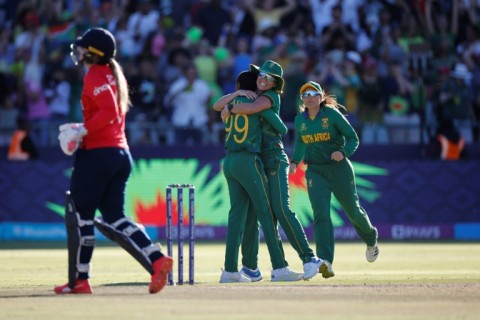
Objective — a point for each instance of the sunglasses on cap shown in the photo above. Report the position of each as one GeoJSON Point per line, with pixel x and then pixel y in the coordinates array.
{"type": "Point", "coordinates": [266, 76]}
{"type": "Point", "coordinates": [310, 93]}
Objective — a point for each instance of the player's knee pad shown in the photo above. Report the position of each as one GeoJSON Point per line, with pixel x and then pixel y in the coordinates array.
{"type": "Point", "coordinates": [80, 238]}
{"type": "Point", "coordinates": [87, 243]}
{"type": "Point", "coordinates": [131, 237]}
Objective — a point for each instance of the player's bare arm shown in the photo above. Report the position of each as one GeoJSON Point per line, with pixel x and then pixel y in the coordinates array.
{"type": "Point", "coordinates": [260, 104]}
{"type": "Point", "coordinates": [226, 99]}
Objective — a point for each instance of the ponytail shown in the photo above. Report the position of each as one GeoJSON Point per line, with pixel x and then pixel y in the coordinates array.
{"type": "Point", "coordinates": [122, 86]}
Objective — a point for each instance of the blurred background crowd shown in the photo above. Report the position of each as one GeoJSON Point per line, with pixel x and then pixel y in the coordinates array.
{"type": "Point", "coordinates": [405, 70]}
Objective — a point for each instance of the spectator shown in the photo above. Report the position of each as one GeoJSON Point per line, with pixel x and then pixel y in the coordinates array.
{"type": "Point", "coordinates": [127, 46]}
{"type": "Point", "coordinates": [390, 50]}
{"type": "Point", "coordinates": [269, 12]}
{"type": "Point", "coordinates": [170, 66]}
{"type": "Point", "coordinates": [58, 96]}
{"type": "Point", "coordinates": [400, 114]}
{"type": "Point", "coordinates": [322, 14]}
{"type": "Point", "coordinates": [22, 146]}
{"type": "Point", "coordinates": [455, 101]}
{"type": "Point", "coordinates": [299, 20]}
{"type": "Point", "coordinates": [350, 13]}
{"type": "Point", "coordinates": [38, 112]}
{"type": "Point", "coordinates": [8, 107]}
{"type": "Point", "coordinates": [157, 40]}
{"type": "Point", "coordinates": [443, 57]}
{"type": "Point", "coordinates": [371, 104]}
{"type": "Point", "coordinates": [205, 62]}
{"type": "Point", "coordinates": [7, 50]}
{"type": "Point", "coordinates": [188, 98]}
{"type": "Point", "coordinates": [176, 11]}
{"type": "Point", "coordinates": [351, 74]}
{"type": "Point", "coordinates": [439, 27]}
{"type": "Point", "coordinates": [143, 22]}
{"type": "Point", "coordinates": [412, 33]}
{"type": "Point", "coordinates": [472, 59]}
{"type": "Point", "coordinates": [243, 22]}
{"type": "Point", "coordinates": [214, 20]}
{"type": "Point", "coordinates": [448, 144]}
{"type": "Point", "coordinates": [338, 34]}
{"type": "Point", "coordinates": [264, 42]}
{"type": "Point", "coordinates": [144, 92]}
{"type": "Point", "coordinates": [242, 56]}
{"type": "Point", "coordinates": [381, 31]}
{"type": "Point", "coordinates": [330, 73]}
{"type": "Point", "coordinates": [169, 69]}
{"type": "Point", "coordinates": [33, 40]}
{"type": "Point", "coordinates": [295, 75]}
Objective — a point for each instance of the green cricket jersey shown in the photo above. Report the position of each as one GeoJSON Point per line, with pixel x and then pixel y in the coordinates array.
{"type": "Point", "coordinates": [276, 164]}
{"type": "Point", "coordinates": [248, 186]}
{"type": "Point", "coordinates": [316, 139]}
{"type": "Point", "coordinates": [271, 139]}
{"type": "Point", "coordinates": [244, 133]}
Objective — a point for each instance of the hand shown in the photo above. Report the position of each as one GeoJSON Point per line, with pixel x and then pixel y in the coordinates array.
{"type": "Point", "coordinates": [337, 156]}
{"type": "Point", "coordinates": [70, 136]}
{"type": "Point", "coordinates": [225, 113]}
{"type": "Point", "coordinates": [247, 93]}
{"type": "Point", "coordinates": [292, 168]}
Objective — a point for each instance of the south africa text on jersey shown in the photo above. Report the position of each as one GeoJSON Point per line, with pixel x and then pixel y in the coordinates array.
{"type": "Point", "coordinates": [311, 138]}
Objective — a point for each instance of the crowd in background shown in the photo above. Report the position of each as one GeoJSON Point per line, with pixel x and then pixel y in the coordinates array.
{"type": "Point", "coordinates": [402, 68]}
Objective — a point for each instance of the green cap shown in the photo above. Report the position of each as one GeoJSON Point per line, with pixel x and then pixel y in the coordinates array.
{"type": "Point", "coordinates": [311, 85]}
{"type": "Point", "coordinates": [273, 69]}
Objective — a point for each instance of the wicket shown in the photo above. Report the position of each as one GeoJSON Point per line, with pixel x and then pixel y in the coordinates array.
{"type": "Point", "coordinates": [191, 226]}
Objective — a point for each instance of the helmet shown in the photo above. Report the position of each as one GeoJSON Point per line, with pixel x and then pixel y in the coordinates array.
{"type": "Point", "coordinates": [98, 41]}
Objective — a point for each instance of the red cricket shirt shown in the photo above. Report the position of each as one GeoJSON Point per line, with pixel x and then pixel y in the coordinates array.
{"type": "Point", "coordinates": [102, 116]}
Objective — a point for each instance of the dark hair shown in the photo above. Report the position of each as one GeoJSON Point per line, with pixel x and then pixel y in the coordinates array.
{"type": "Point", "coordinates": [247, 80]}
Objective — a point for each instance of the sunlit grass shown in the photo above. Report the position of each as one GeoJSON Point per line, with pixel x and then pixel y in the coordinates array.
{"type": "Point", "coordinates": [424, 280]}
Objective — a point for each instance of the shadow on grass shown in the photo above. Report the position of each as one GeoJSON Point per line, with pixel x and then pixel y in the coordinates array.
{"type": "Point", "coordinates": [22, 245]}
{"type": "Point", "coordinates": [125, 284]}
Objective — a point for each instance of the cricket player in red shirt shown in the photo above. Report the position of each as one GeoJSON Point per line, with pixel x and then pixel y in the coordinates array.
{"type": "Point", "coordinates": [101, 169]}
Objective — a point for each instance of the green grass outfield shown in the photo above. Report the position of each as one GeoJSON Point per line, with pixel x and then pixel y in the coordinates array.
{"type": "Point", "coordinates": [408, 281]}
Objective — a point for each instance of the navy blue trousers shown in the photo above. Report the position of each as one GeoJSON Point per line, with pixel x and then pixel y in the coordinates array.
{"type": "Point", "coordinates": [99, 181]}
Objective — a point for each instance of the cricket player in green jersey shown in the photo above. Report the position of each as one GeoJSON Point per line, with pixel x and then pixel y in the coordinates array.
{"type": "Point", "coordinates": [269, 87]}
{"type": "Point", "coordinates": [324, 141]}
{"type": "Point", "coordinates": [247, 183]}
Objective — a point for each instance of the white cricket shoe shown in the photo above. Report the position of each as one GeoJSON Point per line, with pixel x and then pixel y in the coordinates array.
{"type": "Point", "coordinates": [253, 275]}
{"type": "Point", "coordinates": [372, 252]}
{"type": "Point", "coordinates": [310, 269]}
{"type": "Point", "coordinates": [231, 277]}
{"type": "Point", "coordinates": [326, 270]}
{"type": "Point", "coordinates": [285, 274]}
